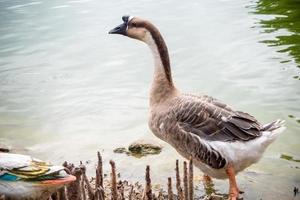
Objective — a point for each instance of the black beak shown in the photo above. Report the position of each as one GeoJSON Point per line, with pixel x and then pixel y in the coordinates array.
{"type": "Point", "coordinates": [121, 29]}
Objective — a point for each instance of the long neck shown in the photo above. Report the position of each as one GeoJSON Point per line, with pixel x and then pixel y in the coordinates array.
{"type": "Point", "coordinates": [162, 86]}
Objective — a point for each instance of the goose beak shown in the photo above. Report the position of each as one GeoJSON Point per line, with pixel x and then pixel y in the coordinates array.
{"type": "Point", "coordinates": [121, 29]}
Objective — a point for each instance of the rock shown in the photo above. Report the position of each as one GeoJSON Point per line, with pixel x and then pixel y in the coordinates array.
{"type": "Point", "coordinates": [144, 147]}
{"type": "Point", "coordinates": [4, 148]}
{"type": "Point", "coordinates": [8, 146]}
{"type": "Point", "coordinates": [120, 150]}
{"type": "Point", "coordinates": [140, 148]}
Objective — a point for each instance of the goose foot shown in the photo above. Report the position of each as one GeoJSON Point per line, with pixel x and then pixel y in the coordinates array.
{"type": "Point", "coordinates": [233, 189]}
{"type": "Point", "coordinates": [208, 185]}
{"type": "Point", "coordinates": [207, 179]}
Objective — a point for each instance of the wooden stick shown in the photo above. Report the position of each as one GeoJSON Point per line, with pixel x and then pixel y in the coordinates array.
{"type": "Point", "coordinates": [148, 190]}
{"type": "Point", "coordinates": [185, 181]}
{"type": "Point", "coordinates": [99, 193]}
{"type": "Point", "coordinates": [191, 180]}
{"type": "Point", "coordinates": [62, 193]}
{"type": "Point", "coordinates": [99, 177]}
{"type": "Point", "coordinates": [121, 191]}
{"type": "Point", "coordinates": [114, 194]}
{"type": "Point", "coordinates": [85, 180]}
{"type": "Point", "coordinates": [178, 182]}
{"type": "Point", "coordinates": [130, 193]}
{"type": "Point", "coordinates": [55, 196]}
{"type": "Point", "coordinates": [73, 190]}
{"type": "Point", "coordinates": [83, 190]}
{"type": "Point", "coordinates": [170, 192]}
{"type": "Point", "coordinates": [160, 195]}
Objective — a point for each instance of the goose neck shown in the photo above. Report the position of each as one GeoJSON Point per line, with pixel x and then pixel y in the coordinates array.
{"type": "Point", "coordinates": [162, 85]}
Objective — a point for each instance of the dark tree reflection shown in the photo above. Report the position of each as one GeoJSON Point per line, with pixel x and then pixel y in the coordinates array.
{"type": "Point", "coordinates": [286, 17]}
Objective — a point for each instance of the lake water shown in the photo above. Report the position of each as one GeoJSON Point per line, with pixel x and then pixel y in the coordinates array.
{"type": "Point", "coordinates": [68, 89]}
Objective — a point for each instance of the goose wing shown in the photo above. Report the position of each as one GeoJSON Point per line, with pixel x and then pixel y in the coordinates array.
{"type": "Point", "coordinates": [214, 121]}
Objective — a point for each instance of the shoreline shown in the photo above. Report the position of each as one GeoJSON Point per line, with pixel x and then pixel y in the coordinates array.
{"type": "Point", "coordinates": [102, 186]}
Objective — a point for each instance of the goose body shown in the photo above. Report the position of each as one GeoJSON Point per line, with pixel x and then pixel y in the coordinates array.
{"type": "Point", "coordinates": [212, 133]}
{"type": "Point", "coordinates": [221, 141]}
{"type": "Point", "coordinates": [24, 177]}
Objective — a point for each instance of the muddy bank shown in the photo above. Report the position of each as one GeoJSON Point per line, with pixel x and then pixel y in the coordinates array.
{"type": "Point", "coordinates": [103, 186]}
{"type": "Point", "coordinates": [111, 186]}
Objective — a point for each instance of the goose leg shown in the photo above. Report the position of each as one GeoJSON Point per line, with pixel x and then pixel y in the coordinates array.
{"type": "Point", "coordinates": [233, 189]}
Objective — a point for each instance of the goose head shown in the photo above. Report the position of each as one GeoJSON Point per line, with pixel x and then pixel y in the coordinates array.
{"type": "Point", "coordinates": [135, 28]}
{"type": "Point", "coordinates": [145, 31]}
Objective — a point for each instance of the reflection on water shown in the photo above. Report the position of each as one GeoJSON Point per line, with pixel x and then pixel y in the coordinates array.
{"type": "Point", "coordinates": [285, 21]}
{"type": "Point", "coordinates": [68, 89]}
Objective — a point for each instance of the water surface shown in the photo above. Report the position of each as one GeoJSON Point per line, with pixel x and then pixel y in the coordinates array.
{"type": "Point", "coordinates": [69, 89]}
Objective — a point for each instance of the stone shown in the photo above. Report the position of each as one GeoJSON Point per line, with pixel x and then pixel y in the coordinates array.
{"type": "Point", "coordinates": [4, 148]}
{"type": "Point", "coordinates": [120, 150]}
{"type": "Point", "coordinates": [141, 148]}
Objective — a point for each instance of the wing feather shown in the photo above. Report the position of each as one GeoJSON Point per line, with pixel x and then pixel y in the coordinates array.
{"type": "Point", "coordinates": [215, 121]}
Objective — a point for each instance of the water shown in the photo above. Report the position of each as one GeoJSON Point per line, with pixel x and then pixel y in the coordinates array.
{"type": "Point", "coordinates": [69, 89]}
{"type": "Point", "coordinates": [285, 17]}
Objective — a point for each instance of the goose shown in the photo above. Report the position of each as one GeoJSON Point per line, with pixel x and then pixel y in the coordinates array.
{"type": "Point", "coordinates": [220, 140]}
{"type": "Point", "coordinates": [24, 177]}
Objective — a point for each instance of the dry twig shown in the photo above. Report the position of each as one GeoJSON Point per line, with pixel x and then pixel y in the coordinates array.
{"type": "Point", "coordinates": [191, 181]}
{"type": "Point", "coordinates": [148, 190]}
{"type": "Point", "coordinates": [114, 194]}
{"type": "Point", "coordinates": [185, 181]}
{"type": "Point", "coordinates": [170, 192]}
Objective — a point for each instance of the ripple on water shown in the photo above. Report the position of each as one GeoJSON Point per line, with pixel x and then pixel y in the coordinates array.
{"type": "Point", "coordinates": [14, 7]}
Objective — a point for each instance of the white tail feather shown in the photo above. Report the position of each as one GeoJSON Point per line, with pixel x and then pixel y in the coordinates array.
{"type": "Point", "coordinates": [273, 131]}
{"type": "Point", "coordinates": [273, 125]}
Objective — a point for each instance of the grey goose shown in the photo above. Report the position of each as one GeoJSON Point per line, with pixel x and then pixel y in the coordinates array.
{"type": "Point", "coordinates": [220, 140]}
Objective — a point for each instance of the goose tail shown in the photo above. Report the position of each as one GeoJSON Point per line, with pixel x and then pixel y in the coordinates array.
{"type": "Point", "coordinates": [274, 128]}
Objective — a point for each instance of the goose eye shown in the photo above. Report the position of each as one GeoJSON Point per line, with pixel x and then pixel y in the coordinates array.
{"type": "Point", "coordinates": [133, 25]}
